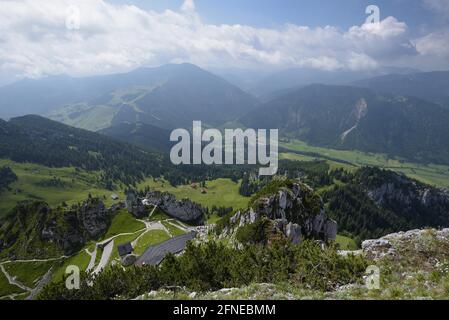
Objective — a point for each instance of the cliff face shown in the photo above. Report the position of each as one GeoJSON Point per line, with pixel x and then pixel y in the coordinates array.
{"type": "Point", "coordinates": [374, 202]}
{"type": "Point", "coordinates": [183, 210]}
{"type": "Point", "coordinates": [291, 211]}
{"type": "Point", "coordinates": [34, 229]}
{"type": "Point", "coordinates": [392, 188]}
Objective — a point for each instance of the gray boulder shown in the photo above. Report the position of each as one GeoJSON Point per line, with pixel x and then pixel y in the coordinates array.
{"type": "Point", "coordinates": [94, 217]}
{"type": "Point", "coordinates": [184, 210]}
{"type": "Point", "coordinates": [135, 206]}
{"type": "Point", "coordinates": [293, 232]}
{"type": "Point", "coordinates": [330, 230]}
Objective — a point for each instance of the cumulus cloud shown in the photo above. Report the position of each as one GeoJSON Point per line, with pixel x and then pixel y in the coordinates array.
{"type": "Point", "coordinates": [434, 44]}
{"type": "Point", "coordinates": [36, 39]}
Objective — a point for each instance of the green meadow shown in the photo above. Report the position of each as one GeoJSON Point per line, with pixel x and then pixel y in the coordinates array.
{"type": "Point", "coordinates": [433, 174]}
{"type": "Point", "coordinates": [346, 243]}
{"type": "Point", "coordinates": [123, 222]}
{"type": "Point", "coordinates": [75, 186]}
{"type": "Point", "coordinates": [220, 192]}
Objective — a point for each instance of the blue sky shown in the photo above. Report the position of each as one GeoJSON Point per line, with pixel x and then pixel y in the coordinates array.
{"type": "Point", "coordinates": [89, 37]}
{"type": "Point", "coordinates": [269, 13]}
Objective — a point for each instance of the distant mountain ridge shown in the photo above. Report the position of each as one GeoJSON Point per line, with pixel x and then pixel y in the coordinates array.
{"type": "Point", "coordinates": [169, 96]}
{"type": "Point", "coordinates": [347, 117]}
{"type": "Point", "coordinates": [292, 79]}
{"type": "Point", "coordinates": [431, 86]}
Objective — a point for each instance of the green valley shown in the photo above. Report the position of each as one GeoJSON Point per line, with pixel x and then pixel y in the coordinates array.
{"type": "Point", "coordinates": [434, 174]}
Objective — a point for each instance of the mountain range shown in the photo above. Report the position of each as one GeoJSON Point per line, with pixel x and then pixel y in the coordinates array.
{"type": "Point", "coordinates": [403, 114]}
{"type": "Point", "coordinates": [277, 83]}
{"type": "Point", "coordinates": [170, 96]}
{"type": "Point", "coordinates": [431, 86]}
{"type": "Point", "coordinates": [347, 117]}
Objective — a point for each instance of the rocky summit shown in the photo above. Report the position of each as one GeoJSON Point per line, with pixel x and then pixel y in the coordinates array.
{"type": "Point", "coordinates": [293, 211]}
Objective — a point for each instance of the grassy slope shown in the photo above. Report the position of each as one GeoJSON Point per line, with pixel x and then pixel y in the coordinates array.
{"type": "Point", "coordinates": [28, 273]}
{"type": "Point", "coordinates": [220, 192]}
{"type": "Point", "coordinates": [150, 238]}
{"type": "Point", "coordinates": [120, 240]}
{"type": "Point", "coordinates": [77, 185]}
{"type": "Point", "coordinates": [92, 118]}
{"type": "Point", "coordinates": [6, 288]}
{"type": "Point", "coordinates": [346, 243]}
{"type": "Point", "coordinates": [432, 174]}
{"type": "Point", "coordinates": [123, 222]}
{"type": "Point", "coordinates": [81, 260]}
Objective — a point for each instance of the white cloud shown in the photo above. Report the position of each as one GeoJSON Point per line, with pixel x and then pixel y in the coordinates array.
{"type": "Point", "coordinates": [34, 40]}
{"type": "Point", "coordinates": [434, 44]}
{"type": "Point", "coordinates": [188, 6]}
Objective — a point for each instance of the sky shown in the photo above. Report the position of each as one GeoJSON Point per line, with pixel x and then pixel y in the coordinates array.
{"type": "Point", "coordinates": [89, 37]}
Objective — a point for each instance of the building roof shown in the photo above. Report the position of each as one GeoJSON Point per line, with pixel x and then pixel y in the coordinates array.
{"type": "Point", "coordinates": [125, 249]}
{"type": "Point", "coordinates": [155, 254]}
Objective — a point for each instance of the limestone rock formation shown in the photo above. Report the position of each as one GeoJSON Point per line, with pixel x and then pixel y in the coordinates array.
{"type": "Point", "coordinates": [417, 242]}
{"type": "Point", "coordinates": [94, 218]}
{"type": "Point", "coordinates": [35, 229]}
{"type": "Point", "coordinates": [184, 210]}
{"type": "Point", "coordinates": [295, 211]}
{"type": "Point", "coordinates": [135, 206]}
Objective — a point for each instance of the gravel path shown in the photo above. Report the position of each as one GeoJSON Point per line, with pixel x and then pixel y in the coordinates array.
{"type": "Point", "coordinates": [13, 281]}
{"type": "Point", "coordinates": [107, 251]}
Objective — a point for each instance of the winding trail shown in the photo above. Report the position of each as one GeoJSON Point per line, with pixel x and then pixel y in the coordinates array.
{"type": "Point", "coordinates": [179, 225]}
{"type": "Point", "coordinates": [105, 257]}
{"type": "Point", "coordinates": [13, 281]}
{"type": "Point", "coordinates": [151, 213]}
{"type": "Point", "coordinates": [107, 251]}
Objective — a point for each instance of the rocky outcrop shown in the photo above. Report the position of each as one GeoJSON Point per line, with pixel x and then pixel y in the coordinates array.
{"type": "Point", "coordinates": [299, 206]}
{"type": "Point", "coordinates": [392, 190]}
{"type": "Point", "coordinates": [421, 244]}
{"type": "Point", "coordinates": [183, 210]}
{"type": "Point", "coordinates": [35, 229]}
{"type": "Point", "coordinates": [295, 211]}
{"type": "Point", "coordinates": [135, 206]}
{"type": "Point", "coordinates": [94, 218]}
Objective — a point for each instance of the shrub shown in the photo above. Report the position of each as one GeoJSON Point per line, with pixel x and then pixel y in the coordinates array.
{"type": "Point", "coordinates": [213, 266]}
